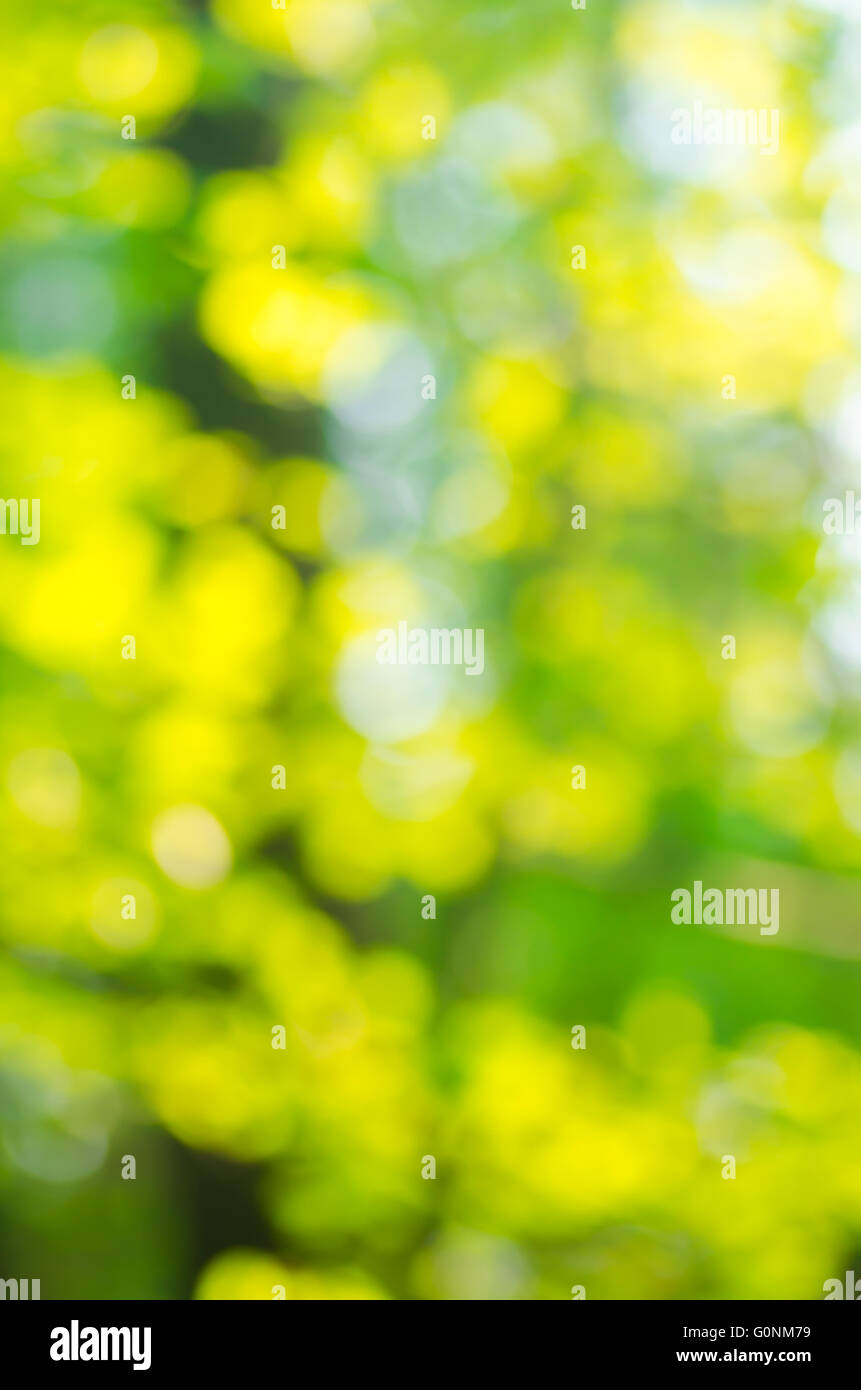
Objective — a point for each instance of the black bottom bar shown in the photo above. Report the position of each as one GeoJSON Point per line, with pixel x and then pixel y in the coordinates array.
{"type": "Point", "coordinates": [225, 1339]}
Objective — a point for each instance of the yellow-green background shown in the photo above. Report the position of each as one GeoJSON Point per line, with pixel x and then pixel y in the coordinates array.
{"type": "Point", "coordinates": [300, 907]}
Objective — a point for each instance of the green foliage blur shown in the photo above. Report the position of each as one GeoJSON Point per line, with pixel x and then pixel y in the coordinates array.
{"type": "Point", "coordinates": [416, 250]}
